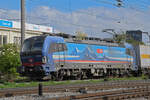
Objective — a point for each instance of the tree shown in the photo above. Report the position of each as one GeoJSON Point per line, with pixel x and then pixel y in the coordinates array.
{"type": "Point", "coordinates": [9, 61]}
{"type": "Point", "coordinates": [121, 38]}
{"type": "Point", "coordinates": [80, 35]}
{"type": "Point", "coordinates": [134, 42]}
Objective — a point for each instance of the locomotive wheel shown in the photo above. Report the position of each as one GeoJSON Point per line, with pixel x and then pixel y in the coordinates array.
{"type": "Point", "coordinates": [89, 75]}
{"type": "Point", "coordinates": [57, 76]}
{"type": "Point", "coordinates": [60, 77]}
{"type": "Point", "coordinates": [79, 76]}
{"type": "Point", "coordinates": [54, 76]}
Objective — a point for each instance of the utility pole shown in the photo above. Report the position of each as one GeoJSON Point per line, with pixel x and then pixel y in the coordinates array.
{"type": "Point", "coordinates": [22, 21]}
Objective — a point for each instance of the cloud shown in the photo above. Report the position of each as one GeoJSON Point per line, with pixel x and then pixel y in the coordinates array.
{"type": "Point", "coordinates": [9, 14]}
{"type": "Point", "coordinates": [91, 20]}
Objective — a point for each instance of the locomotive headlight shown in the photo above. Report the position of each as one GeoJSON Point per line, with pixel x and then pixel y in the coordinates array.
{"type": "Point", "coordinates": [44, 60]}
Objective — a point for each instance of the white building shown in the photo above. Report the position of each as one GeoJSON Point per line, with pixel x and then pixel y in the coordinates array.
{"type": "Point", "coordinates": [10, 31]}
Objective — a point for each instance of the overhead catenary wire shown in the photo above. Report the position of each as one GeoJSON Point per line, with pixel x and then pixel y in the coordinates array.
{"type": "Point", "coordinates": [82, 12]}
{"type": "Point", "coordinates": [78, 25]}
{"type": "Point", "coordinates": [98, 1]}
{"type": "Point", "coordinates": [87, 13]}
{"type": "Point", "coordinates": [85, 26]}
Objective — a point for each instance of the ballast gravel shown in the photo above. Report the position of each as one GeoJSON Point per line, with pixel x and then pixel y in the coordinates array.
{"type": "Point", "coordinates": [47, 96]}
{"type": "Point", "coordinates": [44, 97]}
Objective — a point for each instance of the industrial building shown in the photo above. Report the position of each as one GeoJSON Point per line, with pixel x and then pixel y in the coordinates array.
{"type": "Point", "coordinates": [10, 31]}
{"type": "Point", "coordinates": [138, 35]}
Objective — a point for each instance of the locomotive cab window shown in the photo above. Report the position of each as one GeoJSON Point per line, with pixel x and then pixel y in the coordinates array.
{"type": "Point", "coordinates": [37, 46]}
{"type": "Point", "coordinates": [57, 47]}
{"type": "Point", "coordinates": [33, 44]}
{"type": "Point", "coordinates": [26, 46]}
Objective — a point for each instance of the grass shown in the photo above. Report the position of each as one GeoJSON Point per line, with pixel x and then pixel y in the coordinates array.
{"type": "Point", "coordinates": [31, 84]}
{"type": "Point", "coordinates": [126, 78]}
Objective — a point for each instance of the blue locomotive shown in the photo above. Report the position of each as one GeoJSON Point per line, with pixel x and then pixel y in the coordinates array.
{"type": "Point", "coordinates": [57, 58]}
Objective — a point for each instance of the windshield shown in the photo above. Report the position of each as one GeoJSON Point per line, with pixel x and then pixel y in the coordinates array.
{"type": "Point", "coordinates": [33, 44]}
{"type": "Point", "coordinates": [26, 46]}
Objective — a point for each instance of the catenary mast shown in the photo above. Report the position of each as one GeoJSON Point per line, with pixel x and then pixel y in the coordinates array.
{"type": "Point", "coordinates": [22, 21]}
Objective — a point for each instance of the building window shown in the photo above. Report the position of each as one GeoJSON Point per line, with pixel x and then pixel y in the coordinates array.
{"type": "Point", "coordinates": [3, 39]}
{"type": "Point", "coordinates": [17, 40]}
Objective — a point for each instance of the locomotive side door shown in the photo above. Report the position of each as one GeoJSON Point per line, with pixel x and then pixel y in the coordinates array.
{"type": "Point", "coordinates": [58, 50]}
{"type": "Point", "coordinates": [61, 53]}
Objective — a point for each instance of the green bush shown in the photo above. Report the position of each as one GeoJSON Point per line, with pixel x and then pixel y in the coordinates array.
{"type": "Point", "coordinates": [9, 61]}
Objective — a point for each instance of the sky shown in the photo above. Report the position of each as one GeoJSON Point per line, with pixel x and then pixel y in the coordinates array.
{"type": "Point", "coordinates": [71, 5]}
{"type": "Point", "coordinates": [89, 16]}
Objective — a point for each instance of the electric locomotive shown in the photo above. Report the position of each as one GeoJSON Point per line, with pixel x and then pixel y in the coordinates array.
{"type": "Point", "coordinates": [57, 58]}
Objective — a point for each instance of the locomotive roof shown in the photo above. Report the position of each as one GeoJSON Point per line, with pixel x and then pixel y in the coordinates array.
{"type": "Point", "coordinates": [96, 42]}
{"type": "Point", "coordinates": [86, 40]}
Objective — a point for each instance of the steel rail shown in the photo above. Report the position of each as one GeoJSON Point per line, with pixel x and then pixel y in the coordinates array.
{"type": "Point", "coordinates": [109, 95]}
{"type": "Point", "coordinates": [76, 88]}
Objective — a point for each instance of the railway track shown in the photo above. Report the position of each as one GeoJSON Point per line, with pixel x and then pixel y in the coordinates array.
{"type": "Point", "coordinates": [100, 90]}
{"type": "Point", "coordinates": [109, 95]}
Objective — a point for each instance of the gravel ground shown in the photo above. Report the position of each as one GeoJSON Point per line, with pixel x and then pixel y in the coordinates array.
{"type": "Point", "coordinates": [46, 96]}
{"type": "Point", "coordinates": [59, 94]}
{"type": "Point", "coordinates": [36, 97]}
